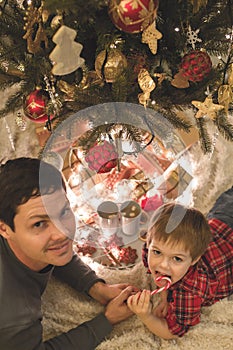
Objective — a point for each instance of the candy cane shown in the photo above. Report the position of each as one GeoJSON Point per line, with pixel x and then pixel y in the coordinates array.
{"type": "Point", "coordinates": [164, 287]}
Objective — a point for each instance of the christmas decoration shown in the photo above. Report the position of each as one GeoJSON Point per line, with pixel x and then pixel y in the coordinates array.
{"type": "Point", "coordinates": [133, 16]}
{"type": "Point", "coordinates": [112, 63]}
{"type": "Point", "coordinates": [66, 54]}
{"type": "Point", "coordinates": [195, 66]}
{"type": "Point", "coordinates": [102, 157]}
{"type": "Point", "coordinates": [230, 75]}
{"type": "Point", "coordinates": [128, 255]}
{"type": "Point", "coordinates": [225, 96]}
{"type": "Point", "coordinates": [85, 249]}
{"type": "Point", "coordinates": [27, 30]}
{"type": "Point", "coordinates": [35, 106]}
{"type": "Point", "coordinates": [35, 33]}
{"type": "Point", "coordinates": [10, 136]}
{"type": "Point", "coordinates": [151, 203]}
{"type": "Point", "coordinates": [21, 122]}
{"type": "Point", "coordinates": [179, 81]}
{"type": "Point", "coordinates": [151, 36]}
{"type": "Point", "coordinates": [207, 108]}
{"type": "Point", "coordinates": [192, 37]}
{"type": "Point", "coordinates": [197, 4]}
{"type": "Point", "coordinates": [147, 85]}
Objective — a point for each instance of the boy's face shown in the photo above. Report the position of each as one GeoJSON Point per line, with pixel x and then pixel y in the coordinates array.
{"type": "Point", "coordinates": [168, 260]}
{"type": "Point", "coordinates": [44, 228]}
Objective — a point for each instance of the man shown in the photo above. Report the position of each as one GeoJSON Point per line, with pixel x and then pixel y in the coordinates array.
{"type": "Point", "coordinates": [37, 226]}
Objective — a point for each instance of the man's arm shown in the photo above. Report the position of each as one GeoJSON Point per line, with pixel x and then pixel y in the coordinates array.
{"type": "Point", "coordinates": [77, 274]}
{"type": "Point", "coordinates": [89, 334]}
{"type": "Point", "coordinates": [83, 279]}
{"type": "Point", "coordinates": [104, 292]}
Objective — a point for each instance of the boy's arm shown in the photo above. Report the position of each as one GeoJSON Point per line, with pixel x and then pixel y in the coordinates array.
{"type": "Point", "coordinates": [141, 306]}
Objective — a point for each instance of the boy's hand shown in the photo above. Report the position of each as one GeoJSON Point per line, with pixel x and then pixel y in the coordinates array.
{"type": "Point", "coordinates": [140, 304]}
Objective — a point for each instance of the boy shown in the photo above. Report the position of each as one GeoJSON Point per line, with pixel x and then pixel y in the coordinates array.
{"type": "Point", "coordinates": [196, 255]}
{"type": "Point", "coordinates": [37, 226]}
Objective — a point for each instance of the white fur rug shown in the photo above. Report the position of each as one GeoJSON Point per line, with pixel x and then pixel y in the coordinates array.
{"type": "Point", "coordinates": [64, 308]}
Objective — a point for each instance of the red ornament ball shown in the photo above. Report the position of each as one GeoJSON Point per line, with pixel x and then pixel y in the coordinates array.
{"type": "Point", "coordinates": [133, 16]}
{"type": "Point", "coordinates": [196, 65]}
{"type": "Point", "coordinates": [102, 157]}
{"type": "Point", "coordinates": [35, 106]}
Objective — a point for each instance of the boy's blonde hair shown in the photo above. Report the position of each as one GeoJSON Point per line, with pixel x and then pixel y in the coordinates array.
{"type": "Point", "coordinates": [176, 224]}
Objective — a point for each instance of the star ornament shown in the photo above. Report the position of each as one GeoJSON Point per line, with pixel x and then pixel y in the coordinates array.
{"type": "Point", "coordinates": [151, 36]}
{"type": "Point", "coordinates": [207, 108]}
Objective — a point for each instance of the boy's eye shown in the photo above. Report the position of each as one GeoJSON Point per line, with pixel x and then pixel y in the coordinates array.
{"type": "Point", "coordinates": [156, 252]}
{"type": "Point", "coordinates": [66, 211]}
{"type": "Point", "coordinates": [178, 259]}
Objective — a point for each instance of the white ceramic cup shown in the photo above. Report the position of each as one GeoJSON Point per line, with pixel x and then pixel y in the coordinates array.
{"type": "Point", "coordinates": [108, 218]}
{"type": "Point", "coordinates": [130, 217]}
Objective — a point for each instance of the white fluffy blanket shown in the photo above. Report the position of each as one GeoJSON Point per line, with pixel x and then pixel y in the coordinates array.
{"type": "Point", "coordinates": [63, 308]}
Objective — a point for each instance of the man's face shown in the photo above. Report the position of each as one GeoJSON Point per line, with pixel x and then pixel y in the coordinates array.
{"type": "Point", "coordinates": [44, 229]}
{"type": "Point", "coordinates": [168, 260]}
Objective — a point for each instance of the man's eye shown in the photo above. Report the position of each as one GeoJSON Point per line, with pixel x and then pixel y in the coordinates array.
{"type": "Point", "coordinates": [39, 224]}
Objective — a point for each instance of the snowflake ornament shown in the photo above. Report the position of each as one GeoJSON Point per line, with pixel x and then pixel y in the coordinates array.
{"type": "Point", "coordinates": [193, 36]}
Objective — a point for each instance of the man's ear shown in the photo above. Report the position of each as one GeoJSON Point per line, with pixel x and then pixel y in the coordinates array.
{"type": "Point", "coordinates": [4, 232]}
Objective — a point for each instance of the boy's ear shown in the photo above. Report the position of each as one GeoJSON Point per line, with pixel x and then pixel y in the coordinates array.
{"type": "Point", "coordinates": [4, 230]}
{"type": "Point", "coordinates": [196, 260]}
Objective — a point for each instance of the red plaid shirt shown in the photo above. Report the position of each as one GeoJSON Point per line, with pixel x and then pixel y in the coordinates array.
{"type": "Point", "coordinates": [205, 283]}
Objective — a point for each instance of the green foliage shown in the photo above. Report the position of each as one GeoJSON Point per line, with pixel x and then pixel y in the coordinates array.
{"type": "Point", "coordinates": [96, 32]}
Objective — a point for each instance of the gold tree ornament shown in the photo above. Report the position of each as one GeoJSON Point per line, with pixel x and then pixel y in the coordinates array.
{"type": "Point", "coordinates": [225, 96]}
{"type": "Point", "coordinates": [110, 64]}
{"type": "Point", "coordinates": [151, 36]}
{"type": "Point", "coordinates": [35, 33]}
{"type": "Point", "coordinates": [160, 77]}
{"type": "Point", "coordinates": [197, 4]}
{"type": "Point", "coordinates": [147, 85]}
{"type": "Point", "coordinates": [207, 108]}
{"type": "Point", "coordinates": [180, 81]}
{"type": "Point", "coordinates": [230, 75]}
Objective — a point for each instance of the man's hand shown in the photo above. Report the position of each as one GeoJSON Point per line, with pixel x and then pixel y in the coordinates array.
{"type": "Point", "coordinates": [117, 309]}
{"type": "Point", "coordinates": [103, 292]}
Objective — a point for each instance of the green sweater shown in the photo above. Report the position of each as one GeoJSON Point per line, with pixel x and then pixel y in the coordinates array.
{"type": "Point", "coordinates": [20, 305]}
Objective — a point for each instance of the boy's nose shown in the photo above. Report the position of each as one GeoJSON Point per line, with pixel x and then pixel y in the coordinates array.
{"type": "Point", "coordinates": [164, 263]}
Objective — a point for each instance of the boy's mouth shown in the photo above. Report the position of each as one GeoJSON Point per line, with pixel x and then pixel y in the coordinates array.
{"type": "Point", "coordinates": [162, 282]}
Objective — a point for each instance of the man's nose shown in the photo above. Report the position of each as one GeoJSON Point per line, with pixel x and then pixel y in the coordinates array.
{"type": "Point", "coordinates": [58, 231]}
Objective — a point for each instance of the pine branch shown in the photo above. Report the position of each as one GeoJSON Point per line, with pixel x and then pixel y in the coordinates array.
{"type": "Point", "coordinates": [224, 127]}
{"type": "Point", "coordinates": [203, 135]}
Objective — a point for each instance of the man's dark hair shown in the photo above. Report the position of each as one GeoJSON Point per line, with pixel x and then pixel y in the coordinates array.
{"type": "Point", "coordinates": [23, 178]}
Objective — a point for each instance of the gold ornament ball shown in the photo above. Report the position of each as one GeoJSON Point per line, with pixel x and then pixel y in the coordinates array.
{"type": "Point", "coordinates": [115, 64]}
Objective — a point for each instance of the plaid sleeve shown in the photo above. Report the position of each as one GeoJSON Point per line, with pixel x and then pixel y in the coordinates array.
{"type": "Point", "coordinates": [183, 312]}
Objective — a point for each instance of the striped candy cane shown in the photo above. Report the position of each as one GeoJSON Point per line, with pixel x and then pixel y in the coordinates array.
{"type": "Point", "coordinates": [168, 284]}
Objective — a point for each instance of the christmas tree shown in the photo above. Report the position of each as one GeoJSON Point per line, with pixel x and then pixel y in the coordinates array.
{"type": "Point", "coordinates": [169, 56]}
